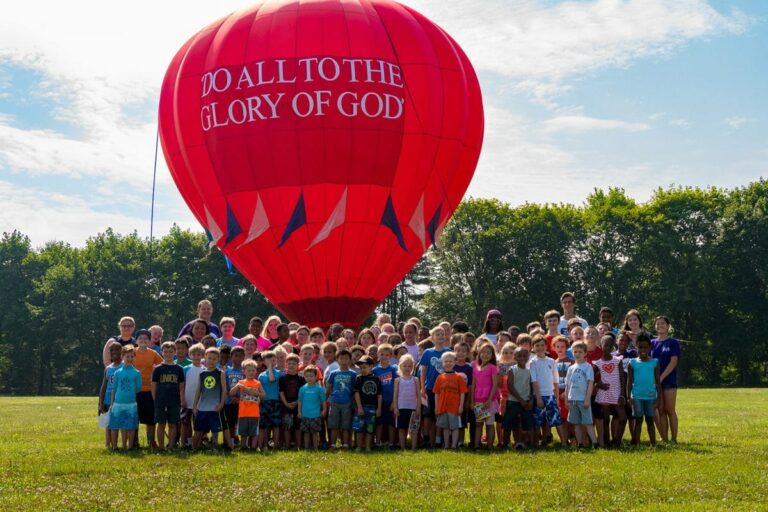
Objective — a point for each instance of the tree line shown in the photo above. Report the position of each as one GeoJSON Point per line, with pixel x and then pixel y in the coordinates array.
{"type": "Point", "coordinates": [699, 256]}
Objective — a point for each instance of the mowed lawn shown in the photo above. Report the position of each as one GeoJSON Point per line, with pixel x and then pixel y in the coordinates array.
{"type": "Point", "coordinates": [52, 457]}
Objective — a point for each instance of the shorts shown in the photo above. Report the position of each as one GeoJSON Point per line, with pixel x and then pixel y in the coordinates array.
{"type": "Point", "coordinates": [578, 414]}
{"type": "Point", "coordinates": [146, 406]}
{"type": "Point", "coordinates": [597, 410]}
{"type": "Point", "coordinates": [223, 420]}
{"type": "Point", "coordinates": [386, 418]}
{"type": "Point", "coordinates": [270, 414]}
{"type": "Point", "coordinates": [563, 406]}
{"type": "Point", "coordinates": [311, 424]}
{"type": "Point", "coordinates": [340, 416]}
{"type": "Point", "coordinates": [170, 413]}
{"type": "Point", "coordinates": [642, 408]}
{"type": "Point", "coordinates": [185, 416]}
{"type": "Point", "coordinates": [248, 427]}
{"type": "Point", "coordinates": [230, 413]}
{"type": "Point", "coordinates": [451, 421]}
{"type": "Point", "coordinates": [366, 423]}
{"type": "Point", "coordinates": [516, 413]}
{"type": "Point", "coordinates": [404, 418]}
{"type": "Point", "coordinates": [429, 410]}
{"type": "Point", "coordinates": [207, 421]}
{"type": "Point", "coordinates": [124, 417]}
{"type": "Point", "coordinates": [290, 419]}
{"type": "Point", "coordinates": [549, 414]}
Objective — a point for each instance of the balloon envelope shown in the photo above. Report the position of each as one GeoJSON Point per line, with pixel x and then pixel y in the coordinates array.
{"type": "Point", "coordinates": [323, 144]}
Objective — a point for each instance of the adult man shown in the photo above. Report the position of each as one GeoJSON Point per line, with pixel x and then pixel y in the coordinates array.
{"type": "Point", "coordinates": [568, 303]}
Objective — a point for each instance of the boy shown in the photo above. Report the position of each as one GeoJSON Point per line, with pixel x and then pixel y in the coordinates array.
{"type": "Point", "coordinates": [250, 393]}
{"type": "Point", "coordinates": [644, 387]}
{"type": "Point", "coordinates": [357, 352]}
{"type": "Point", "coordinates": [329, 357]}
{"type": "Point", "coordinates": [156, 339]}
{"type": "Point", "coordinates": [594, 352]}
{"type": "Point", "coordinates": [563, 362]}
{"type": "Point", "coordinates": [168, 394]}
{"type": "Point", "coordinates": [233, 374]}
{"type": "Point", "coordinates": [610, 397]}
{"type": "Point", "coordinates": [368, 402]}
{"type": "Point", "coordinates": [208, 341]}
{"type": "Point", "coordinates": [449, 390]}
{"type": "Point", "coordinates": [209, 400]}
{"type": "Point", "coordinates": [340, 385]}
{"type": "Point", "coordinates": [464, 368]}
{"type": "Point", "coordinates": [227, 325]}
{"type": "Point", "coordinates": [123, 413]}
{"type": "Point", "coordinates": [307, 356]}
{"type": "Point", "coordinates": [387, 373]}
{"type": "Point", "coordinates": [579, 383]}
{"type": "Point", "coordinates": [429, 369]}
{"type": "Point", "coordinates": [182, 348]}
{"type": "Point", "coordinates": [290, 384]}
{"type": "Point", "coordinates": [269, 423]}
{"type": "Point", "coordinates": [520, 400]}
{"type": "Point", "coordinates": [552, 322]}
{"type": "Point", "coordinates": [546, 387]}
{"type": "Point", "coordinates": [224, 352]}
{"type": "Point", "coordinates": [568, 303]}
{"type": "Point", "coordinates": [311, 408]}
{"type": "Point", "coordinates": [191, 383]}
{"type": "Point", "coordinates": [145, 361]}
{"type": "Point", "coordinates": [108, 383]}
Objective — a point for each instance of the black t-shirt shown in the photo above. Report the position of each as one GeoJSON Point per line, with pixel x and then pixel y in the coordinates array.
{"type": "Point", "coordinates": [121, 341]}
{"type": "Point", "coordinates": [168, 377]}
{"type": "Point", "coordinates": [290, 385]}
{"type": "Point", "coordinates": [369, 387]}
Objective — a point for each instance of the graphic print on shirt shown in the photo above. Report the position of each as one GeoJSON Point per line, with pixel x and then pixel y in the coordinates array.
{"type": "Point", "coordinates": [209, 382]}
{"type": "Point", "coordinates": [436, 364]}
{"type": "Point", "coordinates": [369, 387]}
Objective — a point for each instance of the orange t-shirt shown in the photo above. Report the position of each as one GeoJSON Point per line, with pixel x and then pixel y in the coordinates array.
{"type": "Point", "coordinates": [319, 373]}
{"type": "Point", "coordinates": [249, 404]}
{"type": "Point", "coordinates": [448, 389]}
{"type": "Point", "coordinates": [145, 362]}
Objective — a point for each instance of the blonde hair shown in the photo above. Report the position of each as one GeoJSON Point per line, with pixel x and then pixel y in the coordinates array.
{"type": "Point", "coordinates": [226, 320]}
{"type": "Point", "coordinates": [126, 318]}
{"type": "Point", "coordinates": [197, 348]}
{"type": "Point", "coordinates": [579, 344]}
{"type": "Point", "coordinates": [405, 358]}
{"type": "Point", "coordinates": [385, 346]}
{"type": "Point", "coordinates": [212, 350]}
{"type": "Point", "coordinates": [250, 363]}
{"type": "Point", "coordinates": [265, 329]}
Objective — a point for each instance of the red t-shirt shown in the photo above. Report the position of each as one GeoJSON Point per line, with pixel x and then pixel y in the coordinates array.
{"type": "Point", "coordinates": [594, 355]}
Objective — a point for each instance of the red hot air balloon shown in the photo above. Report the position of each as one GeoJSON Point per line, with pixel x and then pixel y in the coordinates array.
{"type": "Point", "coordinates": [323, 144]}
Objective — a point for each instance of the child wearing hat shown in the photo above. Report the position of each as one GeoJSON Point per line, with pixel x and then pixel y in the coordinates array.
{"type": "Point", "coordinates": [493, 325]}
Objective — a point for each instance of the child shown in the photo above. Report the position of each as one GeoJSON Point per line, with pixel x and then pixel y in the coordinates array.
{"type": "Point", "coordinates": [329, 358]}
{"type": "Point", "coordinates": [578, 385]}
{"type": "Point", "coordinates": [224, 352]}
{"type": "Point", "coordinates": [145, 361]}
{"type": "Point", "coordinates": [406, 403]}
{"type": "Point", "coordinates": [156, 339]}
{"type": "Point", "coordinates": [192, 382]}
{"type": "Point", "coordinates": [519, 400]}
{"type": "Point", "coordinates": [546, 388]}
{"type": "Point", "coordinates": [227, 325]}
{"type": "Point", "coordinates": [368, 402]}
{"type": "Point", "coordinates": [208, 341]}
{"type": "Point", "coordinates": [429, 369]}
{"type": "Point", "coordinates": [307, 355]}
{"type": "Point", "coordinates": [182, 349]}
{"type": "Point", "coordinates": [594, 352]}
{"type": "Point", "coordinates": [249, 346]}
{"type": "Point", "coordinates": [610, 396]}
{"type": "Point", "coordinates": [250, 393]}
{"type": "Point", "coordinates": [269, 423]}
{"type": "Point", "coordinates": [449, 390]}
{"type": "Point", "coordinates": [168, 394]}
{"type": "Point", "coordinates": [108, 383]}
{"type": "Point", "coordinates": [123, 411]}
{"type": "Point", "coordinates": [644, 387]}
{"type": "Point", "coordinates": [233, 374]}
{"type": "Point", "coordinates": [552, 322]}
{"type": "Point", "coordinates": [560, 346]}
{"type": "Point", "coordinates": [366, 338]}
{"type": "Point", "coordinates": [464, 367]}
{"type": "Point", "coordinates": [311, 408]}
{"type": "Point", "coordinates": [505, 363]}
{"type": "Point", "coordinates": [667, 351]}
{"type": "Point", "coordinates": [290, 384]}
{"type": "Point", "coordinates": [357, 352]}
{"type": "Point", "coordinates": [209, 400]}
{"type": "Point", "coordinates": [485, 384]}
{"type": "Point", "coordinates": [387, 374]}
{"type": "Point", "coordinates": [340, 385]}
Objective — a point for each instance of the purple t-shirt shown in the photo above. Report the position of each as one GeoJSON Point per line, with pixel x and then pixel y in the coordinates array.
{"type": "Point", "coordinates": [664, 351]}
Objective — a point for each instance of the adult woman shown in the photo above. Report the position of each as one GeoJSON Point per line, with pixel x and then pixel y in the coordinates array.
{"type": "Point", "coordinates": [270, 330]}
{"type": "Point", "coordinates": [127, 325]}
{"type": "Point", "coordinates": [633, 324]}
{"type": "Point", "coordinates": [204, 312]}
{"type": "Point", "coordinates": [667, 351]}
{"type": "Point", "coordinates": [493, 325]}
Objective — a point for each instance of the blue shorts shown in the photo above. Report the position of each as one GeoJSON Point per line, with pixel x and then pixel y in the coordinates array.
{"type": "Point", "coordinates": [207, 421]}
{"type": "Point", "coordinates": [642, 408]}
{"type": "Point", "coordinates": [365, 424]}
{"type": "Point", "coordinates": [549, 414]}
{"type": "Point", "coordinates": [271, 415]}
{"type": "Point", "coordinates": [124, 416]}
{"type": "Point", "coordinates": [517, 415]}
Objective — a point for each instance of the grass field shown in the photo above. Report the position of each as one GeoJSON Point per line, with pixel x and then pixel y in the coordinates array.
{"type": "Point", "coordinates": [52, 457]}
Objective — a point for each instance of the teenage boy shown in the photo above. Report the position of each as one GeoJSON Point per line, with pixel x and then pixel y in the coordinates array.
{"type": "Point", "coordinates": [146, 360]}
{"type": "Point", "coordinates": [568, 303]}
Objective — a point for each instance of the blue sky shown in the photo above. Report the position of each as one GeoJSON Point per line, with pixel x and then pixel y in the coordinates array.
{"type": "Point", "coordinates": [578, 95]}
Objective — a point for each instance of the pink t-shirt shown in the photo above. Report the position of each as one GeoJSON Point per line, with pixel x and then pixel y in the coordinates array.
{"type": "Point", "coordinates": [483, 380]}
{"type": "Point", "coordinates": [609, 373]}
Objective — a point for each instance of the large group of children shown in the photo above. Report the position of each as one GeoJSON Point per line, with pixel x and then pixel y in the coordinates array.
{"type": "Point", "coordinates": [285, 385]}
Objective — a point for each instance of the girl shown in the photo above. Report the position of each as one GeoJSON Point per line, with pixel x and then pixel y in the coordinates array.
{"type": "Point", "coordinates": [302, 336]}
{"type": "Point", "coordinates": [411, 335]}
{"type": "Point", "coordinates": [407, 402]}
{"type": "Point", "coordinates": [493, 325]}
{"type": "Point", "coordinates": [633, 323]}
{"type": "Point", "coordinates": [347, 339]}
{"type": "Point", "coordinates": [667, 351]}
{"type": "Point", "coordinates": [249, 345]}
{"type": "Point", "coordinates": [506, 361]}
{"type": "Point", "coordinates": [200, 329]}
{"type": "Point", "coordinates": [269, 334]}
{"type": "Point", "coordinates": [485, 384]}
{"type": "Point", "coordinates": [366, 338]}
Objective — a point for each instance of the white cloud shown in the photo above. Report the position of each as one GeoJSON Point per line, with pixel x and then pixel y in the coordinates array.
{"type": "Point", "coordinates": [736, 122]}
{"type": "Point", "coordinates": [587, 124]}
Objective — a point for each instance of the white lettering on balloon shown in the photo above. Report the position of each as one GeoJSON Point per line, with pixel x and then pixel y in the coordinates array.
{"type": "Point", "coordinates": [306, 87]}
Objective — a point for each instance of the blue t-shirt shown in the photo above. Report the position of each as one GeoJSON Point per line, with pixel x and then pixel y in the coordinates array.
{"type": "Point", "coordinates": [431, 359]}
{"type": "Point", "coordinates": [220, 342]}
{"type": "Point", "coordinates": [465, 370]}
{"type": "Point", "coordinates": [577, 381]}
{"type": "Point", "coordinates": [127, 384]}
{"type": "Point", "coordinates": [644, 378]}
{"type": "Point", "coordinates": [664, 351]}
{"type": "Point", "coordinates": [110, 382]}
{"type": "Point", "coordinates": [387, 377]}
{"type": "Point", "coordinates": [342, 386]}
{"type": "Point", "coordinates": [311, 398]}
{"type": "Point", "coordinates": [232, 376]}
{"type": "Point", "coordinates": [271, 389]}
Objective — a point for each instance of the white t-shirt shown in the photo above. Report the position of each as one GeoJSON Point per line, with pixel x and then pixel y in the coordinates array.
{"type": "Point", "coordinates": [544, 371]}
{"type": "Point", "coordinates": [563, 327]}
{"type": "Point", "coordinates": [413, 350]}
{"type": "Point", "coordinates": [191, 381]}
